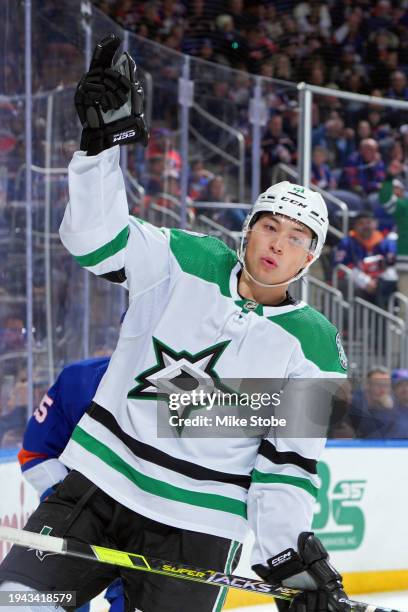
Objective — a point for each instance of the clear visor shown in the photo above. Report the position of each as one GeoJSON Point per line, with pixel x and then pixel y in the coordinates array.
{"type": "Point", "coordinates": [286, 232]}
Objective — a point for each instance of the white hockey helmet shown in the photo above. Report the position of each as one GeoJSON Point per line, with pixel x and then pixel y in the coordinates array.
{"type": "Point", "coordinates": [298, 203]}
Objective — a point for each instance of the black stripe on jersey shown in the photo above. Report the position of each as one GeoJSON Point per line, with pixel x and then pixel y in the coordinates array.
{"type": "Point", "coordinates": [118, 276]}
{"type": "Point", "coordinates": [154, 455]}
{"type": "Point", "coordinates": [268, 450]}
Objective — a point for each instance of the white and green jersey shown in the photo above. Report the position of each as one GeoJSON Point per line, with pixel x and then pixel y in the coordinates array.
{"type": "Point", "coordinates": [185, 311]}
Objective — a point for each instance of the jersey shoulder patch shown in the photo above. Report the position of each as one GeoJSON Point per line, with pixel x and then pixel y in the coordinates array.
{"type": "Point", "coordinates": [342, 352]}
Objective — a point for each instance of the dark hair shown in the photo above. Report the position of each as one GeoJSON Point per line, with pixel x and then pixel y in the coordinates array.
{"type": "Point", "coordinates": [364, 214]}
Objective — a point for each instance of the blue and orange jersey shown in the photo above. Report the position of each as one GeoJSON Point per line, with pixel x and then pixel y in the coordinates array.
{"type": "Point", "coordinates": [351, 250]}
{"type": "Point", "coordinates": [52, 423]}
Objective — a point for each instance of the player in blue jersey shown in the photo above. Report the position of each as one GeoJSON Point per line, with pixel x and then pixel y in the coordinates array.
{"type": "Point", "coordinates": [49, 430]}
{"type": "Point", "coordinates": [52, 423]}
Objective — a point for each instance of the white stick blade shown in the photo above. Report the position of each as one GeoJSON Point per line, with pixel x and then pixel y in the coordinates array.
{"type": "Point", "coordinates": [32, 540]}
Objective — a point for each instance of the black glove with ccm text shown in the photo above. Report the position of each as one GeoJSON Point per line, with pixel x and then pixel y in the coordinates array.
{"type": "Point", "coordinates": [308, 570]}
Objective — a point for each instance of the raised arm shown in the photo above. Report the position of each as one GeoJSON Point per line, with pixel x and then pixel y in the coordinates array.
{"type": "Point", "coordinates": [96, 227]}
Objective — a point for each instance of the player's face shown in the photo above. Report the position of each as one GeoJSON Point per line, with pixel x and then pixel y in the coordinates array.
{"type": "Point", "coordinates": [277, 248]}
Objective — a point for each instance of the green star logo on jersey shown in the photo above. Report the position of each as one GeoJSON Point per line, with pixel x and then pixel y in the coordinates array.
{"type": "Point", "coordinates": [40, 554]}
{"type": "Point", "coordinates": [178, 372]}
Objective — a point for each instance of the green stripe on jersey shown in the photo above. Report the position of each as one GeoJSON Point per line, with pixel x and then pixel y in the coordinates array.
{"type": "Point", "coordinates": [219, 603]}
{"type": "Point", "coordinates": [105, 251]}
{"type": "Point", "coordinates": [204, 256]}
{"type": "Point", "coordinates": [154, 486]}
{"type": "Point", "coordinates": [295, 481]}
{"type": "Point", "coordinates": [316, 335]}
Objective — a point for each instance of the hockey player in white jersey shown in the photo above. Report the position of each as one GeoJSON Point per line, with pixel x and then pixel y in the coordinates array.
{"type": "Point", "coordinates": [195, 306]}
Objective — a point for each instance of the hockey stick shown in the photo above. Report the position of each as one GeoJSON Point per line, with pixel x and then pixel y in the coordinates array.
{"type": "Point", "coordinates": [173, 569]}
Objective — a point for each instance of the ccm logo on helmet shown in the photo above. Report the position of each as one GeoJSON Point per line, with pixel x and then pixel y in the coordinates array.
{"type": "Point", "coordinates": [295, 202]}
{"type": "Point", "coordinates": [281, 559]}
{"type": "Point", "coordinates": [124, 135]}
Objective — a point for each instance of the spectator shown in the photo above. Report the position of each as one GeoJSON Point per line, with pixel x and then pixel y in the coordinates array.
{"type": "Point", "coordinates": [216, 191]}
{"type": "Point", "coordinates": [393, 199]}
{"type": "Point", "coordinates": [259, 49]}
{"type": "Point", "coordinates": [332, 137]}
{"type": "Point", "coordinates": [376, 116]}
{"type": "Point", "coordinates": [365, 170]}
{"type": "Point", "coordinates": [162, 144]}
{"type": "Point", "coordinates": [127, 14]}
{"type": "Point", "coordinates": [317, 75]}
{"type": "Point", "coordinates": [340, 421]}
{"type": "Point", "coordinates": [236, 10]}
{"type": "Point", "coordinates": [321, 173]}
{"type": "Point", "coordinates": [198, 179]}
{"type": "Point", "coordinates": [170, 196]}
{"type": "Point", "coordinates": [371, 257]}
{"type": "Point", "coordinates": [373, 412]}
{"type": "Point", "coordinates": [363, 130]}
{"type": "Point", "coordinates": [396, 153]}
{"type": "Point", "coordinates": [377, 44]}
{"type": "Point", "coordinates": [380, 75]}
{"type": "Point", "coordinates": [12, 334]}
{"type": "Point", "coordinates": [276, 147]}
{"type": "Point", "coordinates": [395, 202]}
{"type": "Point", "coordinates": [313, 18]}
{"type": "Point", "coordinates": [266, 69]}
{"type": "Point", "coordinates": [404, 139]}
{"type": "Point", "coordinates": [218, 103]}
{"type": "Point", "coordinates": [153, 180]}
{"type": "Point", "coordinates": [206, 50]}
{"type": "Point", "coordinates": [172, 42]}
{"type": "Point", "coordinates": [398, 89]}
{"type": "Point", "coordinates": [171, 15]}
{"type": "Point", "coordinates": [199, 25]}
{"type": "Point", "coordinates": [14, 414]}
{"type": "Point", "coordinates": [400, 389]}
{"type": "Point", "coordinates": [241, 91]}
{"type": "Point", "coordinates": [356, 82]}
{"type": "Point", "coordinates": [282, 68]}
{"type": "Point", "coordinates": [230, 44]}
{"type": "Point", "coordinates": [151, 19]}
{"type": "Point", "coordinates": [380, 18]}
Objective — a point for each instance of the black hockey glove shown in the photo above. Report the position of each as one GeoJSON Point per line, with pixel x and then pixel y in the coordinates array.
{"type": "Point", "coordinates": [309, 570]}
{"type": "Point", "coordinates": [109, 100]}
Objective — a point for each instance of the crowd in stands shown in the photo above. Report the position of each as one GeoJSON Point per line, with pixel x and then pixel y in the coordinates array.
{"type": "Point", "coordinates": [359, 152]}
{"type": "Point", "coordinates": [357, 46]}
{"type": "Point", "coordinates": [376, 410]}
